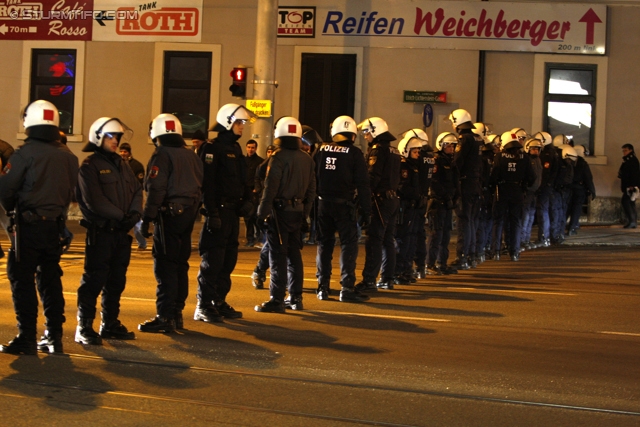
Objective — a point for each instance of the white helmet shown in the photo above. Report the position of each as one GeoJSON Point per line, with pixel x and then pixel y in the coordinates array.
{"type": "Point", "coordinates": [532, 143]}
{"type": "Point", "coordinates": [41, 113]}
{"type": "Point", "coordinates": [461, 119]}
{"type": "Point", "coordinates": [343, 124]}
{"type": "Point", "coordinates": [445, 138]}
{"type": "Point", "coordinates": [560, 140]}
{"type": "Point", "coordinates": [545, 137]}
{"type": "Point", "coordinates": [483, 130]}
{"type": "Point", "coordinates": [580, 150]}
{"type": "Point", "coordinates": [495, 140]}
{"type": "Point", "coordinates": [407, 143]}
{"type": "Point", "coordinates": [288, 126]}
{"type": "Point", "coordinates": [165, 124]}
{"type": "Point", "coordinates": [106, 126]}
{"type": "Point", "coordinates": [569, 151]}
{"type": "Point", "coordinates": [374, 125]}
{"type": "Point", "coordinates": [509, 140]}
{"type": "Point", "coordinates": [229, 113]}
{"type": "Point", "coordinates": [520, 133]}
{"type": "Point", "coordinates": [416, 133]}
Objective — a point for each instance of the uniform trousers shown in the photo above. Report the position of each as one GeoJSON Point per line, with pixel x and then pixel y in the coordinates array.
{"type": "Point", "coordinates": [285, 257]}
{"type": "Point", "coordinates": [380, 245]}
{"type": "Point", "coordinates": [440, 220]}
{"type": "Point", "coordinates": [407, 238]}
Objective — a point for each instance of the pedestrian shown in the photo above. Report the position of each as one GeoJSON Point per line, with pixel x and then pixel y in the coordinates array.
{"type": "Point", "coordinates": [532, 148]}
{"type": "Point", "coordinates": [252, 161]}
{"type": "Point", "coordinates": [629, 175]}
{"type": "Point", "coordinates": [110, 198]}
{"type": "Point", "coordinates": [37, 184]}
{"type": "Point", "coordinates": [226, 198]}
{"type": "Point", "coordinates": [545, 194]}
{"type": "Point", "coordinates": [510, 176]}
{"type": "Point", "coordinates": [138, 171]}
{"type": "Point", "coordinates": [259, 275]}
{"type": "Point", "coordinates": [442, 197]}
{"type": "Point", "coordinates": [467, 160]}
{"type": "Point", "coordinates": [582, 189]}
{"type": "Point", "coordinates": [173, 185]}
{"type": "Point", "coordinates": [562, 187]}
{"type": "Point", "coordinates": [197, 140]}
{"type": "Point", "coordinates": [290, 188]}
{"type": "Point", "coordinates": [342, 189]}
{"type": "Point", "coordinates": [485, 214]}
{"type": "Point", "coordinates": [384, 178]}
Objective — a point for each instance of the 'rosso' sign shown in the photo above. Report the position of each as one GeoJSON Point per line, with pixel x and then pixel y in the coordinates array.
{"type": "Point", "coordinates": [166, 21]}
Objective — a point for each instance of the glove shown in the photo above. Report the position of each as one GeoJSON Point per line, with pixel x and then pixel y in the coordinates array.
{"type": "Point", "coordinates": [144, 229]}
{"type": "Point", "coordinates": [66, 239]}
{"type": "Point", "coordinates": [305, 226]}
{"type": "Point", "coordinates": [263, 223]}
{"type": "Point", "coordinates": [129, 221]}
{"type": "Point", "coordinates": [246, 209]}
{"type": "Point", "coordinates": [365, 221]}
{"type": "Point", "coordinates": [213, 223]}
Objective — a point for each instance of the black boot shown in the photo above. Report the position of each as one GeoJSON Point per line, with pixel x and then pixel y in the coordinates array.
{"type": "Point", "coordinates": [85, 333]}
{"type": "Point", "coordinates": [179, 320]}
{"type": "Point", "coordinates": [352, 295]}
{"type": "Point", "coordinates": [51, 342]}
{"type": "Point", "coordinates": [20, 345]}
{"type": "Point", "coordinates": [208, 314]}
{"type": "Point", "coordinates": [158, 324]}
{"type": "Point", "coordinates": [227, 311]}
{"type": "Point", "coordinates": [271, 306]}
{"type": "Point", "coordinates": [293, 302]}
{"type": "Point", "coordinates": [116, 330]}
{"type": "Point", "coordinates": [323, 291]}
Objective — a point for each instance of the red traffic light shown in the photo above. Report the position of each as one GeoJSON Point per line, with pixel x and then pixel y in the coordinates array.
{"type": "Point", "coordinates": [239, 75]}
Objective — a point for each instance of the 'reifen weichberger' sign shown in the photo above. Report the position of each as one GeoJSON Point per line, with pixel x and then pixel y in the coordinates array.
{"type": "Point", "coordinates": [161, 20]}
{"type": "Point", "coordinates": [575, 28]}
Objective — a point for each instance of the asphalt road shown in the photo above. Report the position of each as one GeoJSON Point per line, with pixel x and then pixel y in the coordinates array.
{"type": "Point", "coordinates": [551, 340]}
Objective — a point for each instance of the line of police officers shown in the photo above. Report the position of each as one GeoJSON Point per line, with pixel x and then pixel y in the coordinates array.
{"type": "Point", "coordinates": [377, 192]}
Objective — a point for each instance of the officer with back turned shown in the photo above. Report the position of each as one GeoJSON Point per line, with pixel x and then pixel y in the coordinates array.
{"type": "Point", "coordinates": [384, 178]}
{"type": "Point", "coordinates": [37, 185]}
{"type": "Point", "coordinates": [173, 185]}
{"type": "Point", "coordinates": [341, 172]}
{"type": "Point", "coordinates": [289, 191]}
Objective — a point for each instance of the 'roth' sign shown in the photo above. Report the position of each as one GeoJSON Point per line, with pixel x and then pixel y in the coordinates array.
{"type": "Point", "coordinates": [167, 21]}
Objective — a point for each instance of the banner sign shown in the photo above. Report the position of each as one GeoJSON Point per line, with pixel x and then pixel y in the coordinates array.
{"type": "Point", "coordinates": [575, 28]}
{"type": "Point", "coordinates": [101, 20]}
{"type": "Point", "coordinates": [46, 20]}
{"type": "Point", "coordinates": [161, 20]}
{"type": "Point", "coordinates": [423, 96]}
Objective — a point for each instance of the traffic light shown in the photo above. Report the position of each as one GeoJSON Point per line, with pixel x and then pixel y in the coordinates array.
{"type": "Point", "coordinates": [239, 86]}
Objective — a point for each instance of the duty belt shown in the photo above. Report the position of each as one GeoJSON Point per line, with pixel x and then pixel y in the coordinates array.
{"type": "Point", "coordinates": [30, 217]}
{"type": "Point", "coordinates": [388, 194]}
{"type": "Point", "coordinates": [333, 199]}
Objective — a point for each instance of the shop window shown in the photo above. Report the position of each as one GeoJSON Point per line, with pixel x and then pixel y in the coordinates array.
{"type": "Point", "coordinates": [186, 89]}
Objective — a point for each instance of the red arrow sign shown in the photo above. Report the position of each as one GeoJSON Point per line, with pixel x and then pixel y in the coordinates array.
{"type": "Point", "coordinates": [591, 19]}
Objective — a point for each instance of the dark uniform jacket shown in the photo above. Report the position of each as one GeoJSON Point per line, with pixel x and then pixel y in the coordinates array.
{"type": "Point", "coordinates": [468, 160]}
{"type": "Point", "coordinates": [582, 176]}
{"type": "Point", "coordinates": [428, 162]}
{"type": "Point", "coordinates": [444, 184]}
{"type": "Point", "coordinates": [512, 173]}
{"type": "Point", "coordinates": [290, 179]}
{"type": "Point", "coordinates": [536, 165]}
{"type": "Point", "coordinates": [410, 188]}
{"type": "Point", "coordinates": [384, 168]}
{"type": "Point", "coordinates": [549, 161]}
{"type": "Point", "coordinates": [174, 175]}
{"type": "Point", "coordinates": [340, 171]}
{"type": "Point", "coordinates": [225, 172]}
{"type": "Point", "coordinates": [42, 176]}
{"type": "Point", "coordinates": [137, 168]}
{"type": "Point", "coordinates": [107, 188]}
{"type": "Point", "coordinates": [629, 172]}
{"type": "Point", "coordinates": [261, 174]}
{"type": "Point", "coordinates": [565, 174]}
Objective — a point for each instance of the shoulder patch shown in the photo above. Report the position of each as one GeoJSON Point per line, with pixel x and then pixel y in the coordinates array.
{"type": "Point", "coordinates": [372, 160]}
{"type": "Point", "coordinates": [6, 169]}
{"type": "Point", "coordinates": [141, 175]}
{"type": "Point", "coordinates": [405, 174]}
{"type": "Point", "coordinates": [208, 158]}
{"type": "Point", "coordinates": [547, 165]}
{"type": "Point", "coordinates": [154, 172]}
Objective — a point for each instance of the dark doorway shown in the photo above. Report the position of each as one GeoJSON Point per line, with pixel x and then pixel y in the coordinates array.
{"type": "Point", "coordinates": [327, 90]}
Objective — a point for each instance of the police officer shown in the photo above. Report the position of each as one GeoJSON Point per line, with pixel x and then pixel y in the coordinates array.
{"type": "Point", "coordinates": [173, 185]}
{"type": "Point", "coordinates": [427, 164]}
{"type": "Point", "coordinates": [110, 198]}
{"type": "Point", "coordinates": [37, 185]}
{"type": "Point", "coordinates": [545, 193]}
{"type": "Point", "coordinates": [411, 204]}
{"type": "Point", "coordinates": [582, 189]}
{"type": "Point", "coordinates": [226, 198]}
{"type": "Point", "coordinates": [442, 195]}
{"type": "Point", "coordinates": [629, 174]}
{"type": "Point", "coordinates": [467, 159]}
{"type": "Point", "coordinates": [290, 188]}
{"type": "Point", "coordinates": [485, 214]}
{"type": "Point", "coordinates": [341, 173]}
{"type": "Point", "coordinates": [532, 148]}
{"type": "Point", "coordinates": [510, 176]}
{"type": "Point", "coordinates": [384, 178]}
{"type": "Point", "coordinates": [562, 187]}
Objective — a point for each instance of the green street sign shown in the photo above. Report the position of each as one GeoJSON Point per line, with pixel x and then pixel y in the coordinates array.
{"type": "Point", "coordinates": [424, 96]}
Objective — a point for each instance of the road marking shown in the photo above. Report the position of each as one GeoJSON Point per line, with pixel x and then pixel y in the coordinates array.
{"type": "Point", "coordinates": [514, 291]}
{"type": "Point", "coordinates": [629, 334]}
{"type": "Point", "coordinates": [380, 316]}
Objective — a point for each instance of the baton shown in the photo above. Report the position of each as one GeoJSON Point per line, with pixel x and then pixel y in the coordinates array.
{"type": "Point", "coordinates": [160, 225]}
{"type": "Point", "coordinates": [275, 219]}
